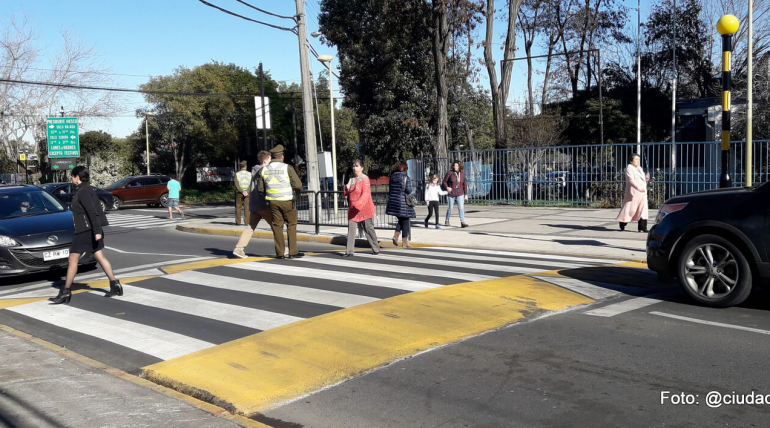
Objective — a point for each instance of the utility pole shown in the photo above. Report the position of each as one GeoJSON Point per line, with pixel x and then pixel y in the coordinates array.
{"type": "Point", "coordinates": [750, 109]}
{"type": "Point", "coordinates": [307, 108]}
{"type": "Point", "coordinates": [264, 107]}
{"type": "Point", "coordinates": [639, 77]}
{"type": "Point", "coordinates": [673, 114]}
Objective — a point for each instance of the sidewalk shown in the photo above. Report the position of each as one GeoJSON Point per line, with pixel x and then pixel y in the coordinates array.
{"type": "Point", "coordinates": [565, 231]}
{"type": "Point", "coordinates": [43, 385]}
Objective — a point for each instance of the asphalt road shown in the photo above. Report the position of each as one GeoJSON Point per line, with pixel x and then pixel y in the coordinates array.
{"type": "Point", "coordinates": [641, 355]}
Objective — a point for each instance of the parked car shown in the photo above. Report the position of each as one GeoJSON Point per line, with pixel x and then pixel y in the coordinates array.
{"type": "Point", "coordinates": [64, 192]}
{"type": "Point", "coordinates": [713, 242]}
{"type": "Point", "coordinates": [36, 240]}
{"type": "Point", "coordinates": [140, 189]}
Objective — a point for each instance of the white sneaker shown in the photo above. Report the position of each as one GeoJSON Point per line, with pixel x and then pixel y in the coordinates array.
{"type": "Point", "coordinates": [239, 253]}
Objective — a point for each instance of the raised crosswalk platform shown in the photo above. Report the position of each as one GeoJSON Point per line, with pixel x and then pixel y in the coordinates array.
{"type": "Point", "coordinates": [174, 315]}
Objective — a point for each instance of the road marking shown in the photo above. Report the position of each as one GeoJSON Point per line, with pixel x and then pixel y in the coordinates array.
{"type": "Point", "coordinates": [149, 340]}
{"type": "Point", "coordinates": [353, 265]}
{"type": "Point", "coordinates": [264, 370]}
{"type": "Point", "coordinates": [514, 254]}
{"type": "Point", "coordinates": [148, 254]}
{"type": "Point", "coordinates": [622, 307]}
{"type": "Point", "coordinates": [239, 315]}
{"type": "Point", "coordinates": [437, 253]}
{"type": "Point", "coordinates": [293, 292]}
{"type": "Point", "coordinates": [375, 281]}
{"type": "Point", "coordinates": [585, 288]}
{"type": "Point", "coordinates": [716, 324]}
{"type": "Point", "coordinates": [47, 285]}
{"type": "Point", "coordinates": [452, 263]}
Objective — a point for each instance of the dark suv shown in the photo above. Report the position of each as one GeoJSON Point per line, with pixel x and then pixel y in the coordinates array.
{"type": "Point", "coordinates": [714, 242]}
{"type": "Point", "coordinates": [140, 189]}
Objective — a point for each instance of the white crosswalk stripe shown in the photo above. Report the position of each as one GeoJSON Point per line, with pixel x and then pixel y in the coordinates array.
{"type": "Point", "coordinates": [150, 340]}
{"type": "Point", "coordinates": [141, 221]}
{"type": "Point", "coordinates": [177, 314]}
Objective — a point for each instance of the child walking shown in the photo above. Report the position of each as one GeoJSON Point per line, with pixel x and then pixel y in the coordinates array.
{"type": "Point", "coordinates": [432, 192]}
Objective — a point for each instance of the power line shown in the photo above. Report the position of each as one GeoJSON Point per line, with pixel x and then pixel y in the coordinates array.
{"type": "Point", "coordinates": [83, 72]}
{"type": "Point", "coordinates": [138, 91]}
{"type": "Point", "coordinates": [264, 11]}
{"type": "Point", "coordinates": [292, 30]}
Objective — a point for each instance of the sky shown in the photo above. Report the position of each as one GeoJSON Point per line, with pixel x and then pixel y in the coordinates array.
{"type": "Point", "coordinates": [141, 38]}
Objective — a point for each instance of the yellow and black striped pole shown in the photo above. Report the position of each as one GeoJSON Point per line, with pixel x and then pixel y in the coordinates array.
{"type": "Point", "coordinates": [726, 26]}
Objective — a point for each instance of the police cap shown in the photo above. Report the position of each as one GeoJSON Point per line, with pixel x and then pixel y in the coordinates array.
{"type": "Point", "coordinates": [277, 150]}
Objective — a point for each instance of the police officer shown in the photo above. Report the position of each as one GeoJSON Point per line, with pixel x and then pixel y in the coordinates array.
{"type": "Point", "coordinates": [242, 181]}
{"type": "Point", "coordinates": [277, 182]}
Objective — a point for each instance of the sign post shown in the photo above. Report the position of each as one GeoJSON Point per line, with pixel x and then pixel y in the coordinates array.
{"type": "Point", "coordinates": [63, 137]}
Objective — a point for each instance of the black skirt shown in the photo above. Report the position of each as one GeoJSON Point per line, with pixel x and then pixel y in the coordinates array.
{"type": "Point", "coordinates": [85, 242]}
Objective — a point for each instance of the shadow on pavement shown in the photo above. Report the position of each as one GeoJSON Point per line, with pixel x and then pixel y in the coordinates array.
{"type": "Point", "coordinates": [619, 275]}
{"type": "Point", "coordinates": [11, 417]}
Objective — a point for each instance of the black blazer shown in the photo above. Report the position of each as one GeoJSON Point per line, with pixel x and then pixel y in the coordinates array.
{"type": "Point", "coordinates": [86, 210]}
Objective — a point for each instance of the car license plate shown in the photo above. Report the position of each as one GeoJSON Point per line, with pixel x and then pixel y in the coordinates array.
{"type": "Point", "coordinates": [54, 255]}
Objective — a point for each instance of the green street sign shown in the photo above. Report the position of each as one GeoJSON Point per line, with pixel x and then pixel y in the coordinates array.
{"type": "Point", "coordinates": [63, 137]}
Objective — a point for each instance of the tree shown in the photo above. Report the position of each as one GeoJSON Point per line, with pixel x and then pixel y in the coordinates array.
{"type": "Point", "coordinates": [386, 70]}
{"type": "Point", "coordinates": [210, 116]}
{"type": "Point", "coordinates": [25, 106]}
{"type": "Point", "coordinates": [94, 143]}
{"type": "Point", "coordinates": [694, 70]}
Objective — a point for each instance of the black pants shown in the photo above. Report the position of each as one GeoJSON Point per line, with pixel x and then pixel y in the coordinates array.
{"type": "Point", "coordinates": [403, 226]}
{"type": "Point", "coordinates": [432, 209]}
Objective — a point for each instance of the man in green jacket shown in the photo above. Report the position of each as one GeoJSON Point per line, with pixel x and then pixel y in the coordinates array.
{"type": "Point", "coordinates": [278, 182]}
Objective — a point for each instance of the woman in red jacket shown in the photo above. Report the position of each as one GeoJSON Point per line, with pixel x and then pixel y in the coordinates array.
{"type": "Point", "coordinates": [457, 186]}
{"type": "Point", "coordinates": [360, 209]}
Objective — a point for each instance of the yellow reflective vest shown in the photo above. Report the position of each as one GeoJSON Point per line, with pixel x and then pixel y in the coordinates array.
{"type": "Point", "coordinates": [277, 183]}
{"type": "Point", "coordinates": [244, 179]}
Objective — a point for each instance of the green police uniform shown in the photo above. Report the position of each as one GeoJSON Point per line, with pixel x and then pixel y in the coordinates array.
{"type": "Point", "coordinates": [242, 182]}
{"type": "Point", "coordinates": [278, 182]}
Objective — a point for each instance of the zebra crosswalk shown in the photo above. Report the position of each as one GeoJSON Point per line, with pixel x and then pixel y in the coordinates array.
{"type": "Point", "coordinates": [138, 221]}
{"type": "Point", "coordinates": [173, 315]}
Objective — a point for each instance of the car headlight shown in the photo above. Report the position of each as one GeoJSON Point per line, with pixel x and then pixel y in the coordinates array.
{"type": "Point", "coordinates": [7, 241]}
{"type": "Point", "coordinates": [667, 209]}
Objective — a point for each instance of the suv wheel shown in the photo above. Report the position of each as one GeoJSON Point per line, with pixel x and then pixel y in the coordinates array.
{"type": "Point", "coordinates": [115, 203]}
{"type": "Point", "coordinates": [164, 200]}
{"type": "Point", "coordinates": [714, 272]}
{"type": "Point", "coordinates": [103, 205]}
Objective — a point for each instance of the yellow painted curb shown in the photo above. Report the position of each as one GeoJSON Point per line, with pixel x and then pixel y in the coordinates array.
{"type": "Point", "coordinates": [258, 372]}
{"type": "Point", "coordinates": [207, 407]}
{"type": "Point", "coordinates": [209, 263]}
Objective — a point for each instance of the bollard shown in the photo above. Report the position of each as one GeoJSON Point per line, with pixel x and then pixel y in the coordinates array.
{"type": "Point", "coordinates": [726, 26]}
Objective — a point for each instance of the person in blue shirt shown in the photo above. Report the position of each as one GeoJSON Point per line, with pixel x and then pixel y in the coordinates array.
{"type": "Point", "coordinates": [173, 187]}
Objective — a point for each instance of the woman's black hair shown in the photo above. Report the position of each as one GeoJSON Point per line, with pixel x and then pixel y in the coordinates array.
{"type": "Point", "coordinates": [82, 173]}
{"type": "Point", "coordinates": [633, 155]}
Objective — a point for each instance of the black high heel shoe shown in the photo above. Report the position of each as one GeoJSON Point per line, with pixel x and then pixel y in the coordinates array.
{"type": "Point", "coordinates": [64, 296]}
{"type": "Point", "coordinates": [116, 289]}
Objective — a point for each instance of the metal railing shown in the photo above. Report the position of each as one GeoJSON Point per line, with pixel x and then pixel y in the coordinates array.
{"type": "Point", "coordinates": [591, 175]}
{"type": "Point", "coordinates": [324, 213]}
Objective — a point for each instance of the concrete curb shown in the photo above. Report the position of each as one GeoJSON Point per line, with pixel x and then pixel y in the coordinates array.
{"type": "Point", "coordinates": [342, 240]}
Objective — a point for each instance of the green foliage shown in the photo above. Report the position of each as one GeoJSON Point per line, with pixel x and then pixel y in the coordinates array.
{"type": "Point", "coordinates": [189, 129]}
{"type": "Point", "coordinates": [223, 194]}
{"type": "Point", "coordinates": [94, 143]}
{"type": "Point", "coordinates": [386, 73]}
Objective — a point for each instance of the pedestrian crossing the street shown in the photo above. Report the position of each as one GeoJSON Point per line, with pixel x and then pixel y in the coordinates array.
{"type": "Point", "coordinates": [174, 315]}
{"type": "Point", "coordinates": [138, 221]}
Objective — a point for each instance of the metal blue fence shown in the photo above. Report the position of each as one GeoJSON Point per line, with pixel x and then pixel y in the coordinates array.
{"type": "Point", "coordinates": [592, 175]}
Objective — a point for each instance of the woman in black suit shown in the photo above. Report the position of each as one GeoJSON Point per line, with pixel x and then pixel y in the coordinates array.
{"type": "Point", "coordinates": [89, 236]}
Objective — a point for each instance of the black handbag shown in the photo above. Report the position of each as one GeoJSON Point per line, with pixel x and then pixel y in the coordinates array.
{"type": "Point", "coordinates": [409, 198]}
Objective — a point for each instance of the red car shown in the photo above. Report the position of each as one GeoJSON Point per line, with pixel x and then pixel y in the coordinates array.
{"type": "Point", "coordinates": [140, 189]}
